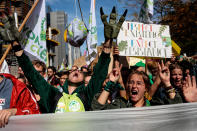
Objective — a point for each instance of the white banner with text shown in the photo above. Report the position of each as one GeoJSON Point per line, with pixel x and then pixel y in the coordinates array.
{"type": "Point", "coordinates": [148, 40]}
{"type": "Point", "coordinates": [178, 117]}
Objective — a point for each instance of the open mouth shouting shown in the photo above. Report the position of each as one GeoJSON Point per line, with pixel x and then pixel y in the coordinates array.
{"type": "Point", "coordinates": [76, 76]}
{"type": "Point", "coordinates": [137, 94]}
{"type": "Point", "coordinates": [134, 93]}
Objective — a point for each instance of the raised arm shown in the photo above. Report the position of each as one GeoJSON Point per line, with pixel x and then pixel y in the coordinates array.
{"type": "Point", "coordinates": [111, 30]}
{"type": "Point", "coordinates": [100, 102]}
{"type": "Point", "coordinates": [173, 97]}
{"type": "Point", "coordinates": [154, 87]}
{"type": "Point", "coordinates": [100, 71]}
{"type": "Point", "coordinates": [31, 74]}
{"type": "Point", "coordinates": [119, 66]}
{"type": "Point", "coordinates": [189, 89]}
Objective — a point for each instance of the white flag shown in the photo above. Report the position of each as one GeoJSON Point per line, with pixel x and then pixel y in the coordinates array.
{"type": "Point", "coordinates": [4, 67]}
{"type": "Point", "coordinates": [146, 11]}
{"type": "Point", "coordinates": [92, 35]}
{"type": "Point", "coordinates": [150, 6]}
{"type": "Point", "coordinates": [34, 32]}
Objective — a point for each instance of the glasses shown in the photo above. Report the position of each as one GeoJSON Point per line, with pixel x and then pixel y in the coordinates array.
{"type": "Point", "coordinates": [138, 83]}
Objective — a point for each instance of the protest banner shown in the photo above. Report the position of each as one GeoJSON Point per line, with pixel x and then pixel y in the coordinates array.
{"type": "Point", "coordinates": [148, 40]}
{"type": "Point", "coordinates": [92, 35]}
{"type": "Point", "coordinates": [34, 33]}
{"type": "Point", "coordinates": [176, 117]}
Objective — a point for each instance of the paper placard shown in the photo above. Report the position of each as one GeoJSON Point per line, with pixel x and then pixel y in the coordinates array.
{"type": "Point", "coordinates": [148, 40]}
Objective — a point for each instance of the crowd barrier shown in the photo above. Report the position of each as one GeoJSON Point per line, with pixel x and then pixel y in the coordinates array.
{"type": "Point", "coordinates": [178, 117]}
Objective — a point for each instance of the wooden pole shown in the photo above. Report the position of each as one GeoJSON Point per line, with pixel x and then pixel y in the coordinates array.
{"type": "Point", "coordinates": [20, 28]}
{"type": "Point", "coordinates": [146, 66]}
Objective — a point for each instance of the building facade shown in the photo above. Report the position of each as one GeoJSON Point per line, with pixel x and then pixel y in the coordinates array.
{"type": "Point", "coordinates": [58, 20]}
{"type": "Point", "coordinates": [64, 51]}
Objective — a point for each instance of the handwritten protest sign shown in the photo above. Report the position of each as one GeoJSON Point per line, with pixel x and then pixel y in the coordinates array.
{"type": "Point", "coordinates": [149, 40]}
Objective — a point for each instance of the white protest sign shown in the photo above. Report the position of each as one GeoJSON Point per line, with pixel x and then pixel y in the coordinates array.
{"type": "Point", "coordinates": [148, 40]}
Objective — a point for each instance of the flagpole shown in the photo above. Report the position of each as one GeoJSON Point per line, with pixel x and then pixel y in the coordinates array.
{"type": "Point", "coordinates": [85, 26]}
{"type": "Point", "coordinates": [20, 28]}
{"type": "Point", "coordinates": [48, 61]}
{"type": "Point", "coordinates": [146, 20]}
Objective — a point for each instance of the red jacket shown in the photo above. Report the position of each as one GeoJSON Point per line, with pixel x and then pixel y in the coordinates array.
{"type": "Point", "coordinates": [22, 98]}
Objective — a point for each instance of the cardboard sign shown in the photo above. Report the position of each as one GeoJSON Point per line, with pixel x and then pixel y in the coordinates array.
{"type": "Point", "coordinates": [80, 61]}
{"type": "Point", "coordinates": [148, 40]}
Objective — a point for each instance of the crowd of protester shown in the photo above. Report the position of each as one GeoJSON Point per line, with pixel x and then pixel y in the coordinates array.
{"type": "Point", "coordinates": [39, 89]}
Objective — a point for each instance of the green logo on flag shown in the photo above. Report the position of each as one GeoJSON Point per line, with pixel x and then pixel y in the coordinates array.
{"type": "Point", "coordinates": [43, 32]}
